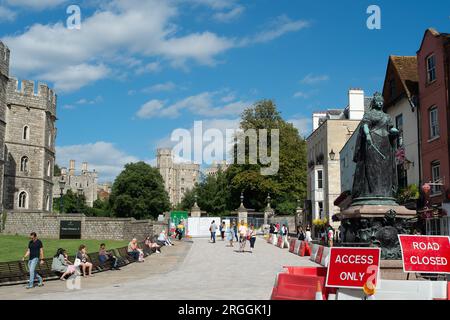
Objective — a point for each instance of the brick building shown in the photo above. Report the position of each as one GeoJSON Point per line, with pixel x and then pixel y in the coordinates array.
{"type": "Point", "coordinates": [434, 70]}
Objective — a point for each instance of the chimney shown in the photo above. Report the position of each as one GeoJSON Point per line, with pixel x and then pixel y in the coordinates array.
{"type": "Point", "coordinates": [316, 118]}
{"type": "Point", "coordinates": [84, 167]}
{"type": "Point", "coordinates": [355, 104]}
{"type": "Point", "coordinates": [72, 168]}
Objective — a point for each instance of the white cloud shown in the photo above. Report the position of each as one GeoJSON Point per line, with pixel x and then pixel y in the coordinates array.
{"type": "Point", "coordinates": [6, 14]}
{"type": "Point", "coordinates": [314, 79]}
{"type": "Point", "coordinates": [74, 77]}
{"type": "Point", "coordinates": [124, 34]}
{"type": "Point", "coordinates": [275, 29]}
{"type": "Point", "coordinates": [302, 124]}
{"type": "Point", "coordinates": [166, 86]}
{"type": "Point", "coordinates": [207, 104]}
{"type": "Point", "coordinates": [85, 101]}
{"type": "Point", "coordinates": [230, 15]}
{"type": "Point", "coordinates": [102, 156]}
{"type": "Point", "coordinates": [301, 94]}
{"type": "Point", "coordinates": [36, 4]}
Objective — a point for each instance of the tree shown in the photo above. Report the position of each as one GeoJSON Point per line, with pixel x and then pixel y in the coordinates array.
{"type": "Point", "coordinates": [72, 203]}
{"type": "Point", "coordinates": [56, 170]}
{"type": "Point", "coordinates": [138, 192]}
{"type": "Point", "coordinates": [212, 195]}
{"type": "Point", "coordinates": [289, 183]}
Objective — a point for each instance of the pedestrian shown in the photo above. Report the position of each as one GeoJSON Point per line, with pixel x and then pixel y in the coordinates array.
{"type": "Point", "coordinates": [222, 229]}
{"type": "Point", "coordinates": [235, 231]}
{"type": "Point", "coordinates": [213, 229]}
{"type": "Point", "coordinates": [180, 229]}
{"type": "Point", "coordinates": [35, 252]}
{"type": "Point", "coordinates": [330, 236]}
{"type": "Point", "coordinates": [272, 228]}
{"type": "Point", "coordinates": [252, 237]}
{"type": "Point", "coordinates": [84, 264]}
{"type": "Point", "coordinates": [308, 237]}
{"type": "Point", "coordinates": [242, 236]}
{"type": "Point", "coordinates": [230, 234]}
{"type": "Point", "coordinates": [301, 234]}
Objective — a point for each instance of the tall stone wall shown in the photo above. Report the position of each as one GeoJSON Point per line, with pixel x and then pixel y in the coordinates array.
{"type": "Point", "coordinates": [47, 225]}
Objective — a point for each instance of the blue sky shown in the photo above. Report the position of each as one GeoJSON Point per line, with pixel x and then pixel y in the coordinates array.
{"type": "Point", "coordinates": [137, 70]}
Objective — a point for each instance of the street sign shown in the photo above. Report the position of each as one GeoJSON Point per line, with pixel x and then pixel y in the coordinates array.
{"type": "Point", "coordinates": [70, 229]}
{"type": "Point", "coordinates": [353, 267]}
{"type": "Point", "coordinates": [427, 254]}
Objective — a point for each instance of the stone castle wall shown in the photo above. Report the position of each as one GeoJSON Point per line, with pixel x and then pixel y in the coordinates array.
{"type": "Point", "coordinates": [46, 225]}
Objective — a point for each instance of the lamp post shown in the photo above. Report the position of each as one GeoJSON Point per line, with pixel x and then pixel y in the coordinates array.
{"type": "Point", "coordinates": [62, 185]}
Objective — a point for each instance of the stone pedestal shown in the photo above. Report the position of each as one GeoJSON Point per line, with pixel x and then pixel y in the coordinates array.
{"type": "Point", "coordinates": [242, 214]}
{"type": "Point", "coordinates": [393, 270]}
{"type": "Point", "coordinates": [195, 211]}
{"type": "Point", "coordinates": [375, 211]}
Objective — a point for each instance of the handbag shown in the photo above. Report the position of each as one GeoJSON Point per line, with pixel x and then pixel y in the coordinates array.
{"type": "Point", "coordinates": [77, 262]}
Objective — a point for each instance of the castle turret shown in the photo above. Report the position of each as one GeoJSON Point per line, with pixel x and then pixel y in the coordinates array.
{"type": "Point", "coordinates": [4, 74]}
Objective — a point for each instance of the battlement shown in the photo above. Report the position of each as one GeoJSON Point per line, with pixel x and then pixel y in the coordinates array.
{"type": "Point", "coordinates": [44, 98]}
{"type": "Point", "coordinates": [4, 59]}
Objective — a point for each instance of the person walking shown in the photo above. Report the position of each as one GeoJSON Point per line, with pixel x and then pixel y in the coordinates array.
{"type": "Point", "coordinates": [242, 236]}
{"type": "Point", "coordinates": [222, 229]}
{"type": "Point", "coordinates": [35, 252]}
{"type": "Point", "coordinates": [230, 234]}
{"type": "Point", "coordinates": [301, 234]}
{"type": "Point", "coordinates": [308, 237]}
{"type": "Point", "coordinates": [213, 230]}
{"type": "Point", "coordinates": [252, 237]}
{"type": "Point", "coordinates": [330, 236]}
{"type": "Point", "coordinates": [235, 229]}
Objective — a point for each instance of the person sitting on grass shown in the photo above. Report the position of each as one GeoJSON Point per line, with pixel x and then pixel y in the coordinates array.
{"type": "Point", "coordinates": [134, 251]}
{"type": "Point", "coordinates": [62, 265]}
{"type": "Point", "coordinates": [105, 256]}
{"type": "Point", "coordinates": [162, 238]}
{"type": "Point", "coordinates": [151, 246]}
{"type": "Point", "coordinates": [84, 263]}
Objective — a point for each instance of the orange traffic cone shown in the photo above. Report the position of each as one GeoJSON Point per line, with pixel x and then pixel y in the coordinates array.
{"type": "Point", "coordinates": [319, 295]}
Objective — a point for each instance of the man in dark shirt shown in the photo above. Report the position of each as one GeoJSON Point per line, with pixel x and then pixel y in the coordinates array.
{"type": "Point", "coordinates": [35, 252]}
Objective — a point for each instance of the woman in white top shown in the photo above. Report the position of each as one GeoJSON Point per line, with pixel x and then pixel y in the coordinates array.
{"type": "Point", "coordinates": [242, 236]}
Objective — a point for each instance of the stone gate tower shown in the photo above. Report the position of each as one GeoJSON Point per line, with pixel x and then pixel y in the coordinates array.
{"type": "Point", "coordinates": [30, 146]}
{"type": "Point", "coordinates": [4, 75]}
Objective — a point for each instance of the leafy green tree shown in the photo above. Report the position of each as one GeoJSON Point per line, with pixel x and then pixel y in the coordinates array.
{"type": "Point", "coordinates": [72, 203]}
{"type": "Point", "coordinates": [56, 170]}
{"type": "Point", "coordinates": [289, 183]}
{"type": "Point", "coordinates": [139, 192]}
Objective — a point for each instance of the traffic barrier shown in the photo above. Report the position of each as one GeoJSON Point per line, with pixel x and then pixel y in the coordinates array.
{"type": "Point", "coordinates": [269, 239]}
{"type": "Point", "coordinates": [302, 249]}
{"type": "Point", "coordinates": [314, 249]}
{"type": "Point", "coordinates": [292, 292]}
{"type": "Point", "coordinates": [308, 251]}
{"type": "Point", "coordinates": [448, 290]}
{"type": "Point", "coordinates": [286, 242]}
{"type": "Point", "coordinates": [297, 247]}
{"type": "Point", "coordinates": [325, 257]}
{"type": "Point", "coordinates": [306, 271]}
{"type": "Point", "coordinates": [292, 245]}
{"type": "Point", "coordinates": [439, 289]}
{"type": "Point", "coordinates": [319, 255]}
{"type": "Point", "coordinates": [394, 290]}
{"type": "Point", "coordinates": [280, 242]}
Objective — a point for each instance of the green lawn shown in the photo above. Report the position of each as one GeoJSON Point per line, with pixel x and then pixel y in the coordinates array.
{"type": "Point", "coordinates": [13, 247]}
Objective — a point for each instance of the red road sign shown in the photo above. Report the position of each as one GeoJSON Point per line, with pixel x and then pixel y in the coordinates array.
{"type": "Point", "coordinates": [353, 267]}
{"type": "Point", "coordinates": [428, 254]}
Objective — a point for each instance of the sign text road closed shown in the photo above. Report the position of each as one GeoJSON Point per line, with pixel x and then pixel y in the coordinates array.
{"type": "Point", "coordinates": [428, 254]}
{"type": "Point", "coordinates": [353, 267]}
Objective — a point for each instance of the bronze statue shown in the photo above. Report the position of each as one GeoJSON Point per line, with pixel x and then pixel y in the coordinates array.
{"type": "Point", "coordinates": [375, 180]}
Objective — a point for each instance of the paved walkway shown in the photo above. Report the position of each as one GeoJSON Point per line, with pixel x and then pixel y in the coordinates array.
{"type": "Point", "coordinates": [199, 270]}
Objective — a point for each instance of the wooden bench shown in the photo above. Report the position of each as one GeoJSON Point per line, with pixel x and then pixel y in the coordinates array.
{"type": "Point", "coordinates": [13, 272]}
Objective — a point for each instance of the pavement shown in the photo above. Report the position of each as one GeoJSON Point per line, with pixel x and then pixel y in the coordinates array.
{"type": "Point", "coordinates": [197, 270]}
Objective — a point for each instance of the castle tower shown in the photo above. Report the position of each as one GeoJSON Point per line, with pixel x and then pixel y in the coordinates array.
{"type": "Point", "coordinates": [164, 162]}
{"type": "Point", "coordinates": [30, 143]}
{"type": "Point", "coordinates": [4, 76]}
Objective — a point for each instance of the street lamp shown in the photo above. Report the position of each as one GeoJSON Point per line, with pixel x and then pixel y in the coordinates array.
{"type": "Point", "coordinates": [242, 197]}
{"type": "Point", "coordinates": [62, 185]}
{"type": "Point", "coordinates": [332, 155]}
{"type": "Point", "coordinates": [268, 199]}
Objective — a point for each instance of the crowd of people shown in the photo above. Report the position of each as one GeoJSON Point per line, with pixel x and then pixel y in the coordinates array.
{"type": "Point", "coordinates": [82, 265]}
{"type": "Point", "coordinates": [240, 233]}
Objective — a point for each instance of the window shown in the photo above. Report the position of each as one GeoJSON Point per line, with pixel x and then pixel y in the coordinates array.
{"type": "Point", "coordinates": [26, 133]}
{"type": "Point", "coordinates": [320, 179]}
{"type": "Point", "coordinates": [47, 203]}
{"type": "Point", "coordinates": [49, 168]}
{"type": "Point", "coordinates": [23, 200]}
{"type": "Point", "coordinates": [434, 122]}
{"type": "Point", "coordinates": [50, 140]}
{"type": "Point", "coordinates": [399, 126]}
{"type": "Point", "coordinates": [435, 176]}
{"type": "Point", "coordinates": [24, 164]}
{"type": "Point", "coordinates": [392, 88]}
{"type": "Point", "coordinates": [182, 190]}
{"type": "Point", "coordinates": [431, 68]}
{"type": "Point", "coordinates": [182, 180]}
